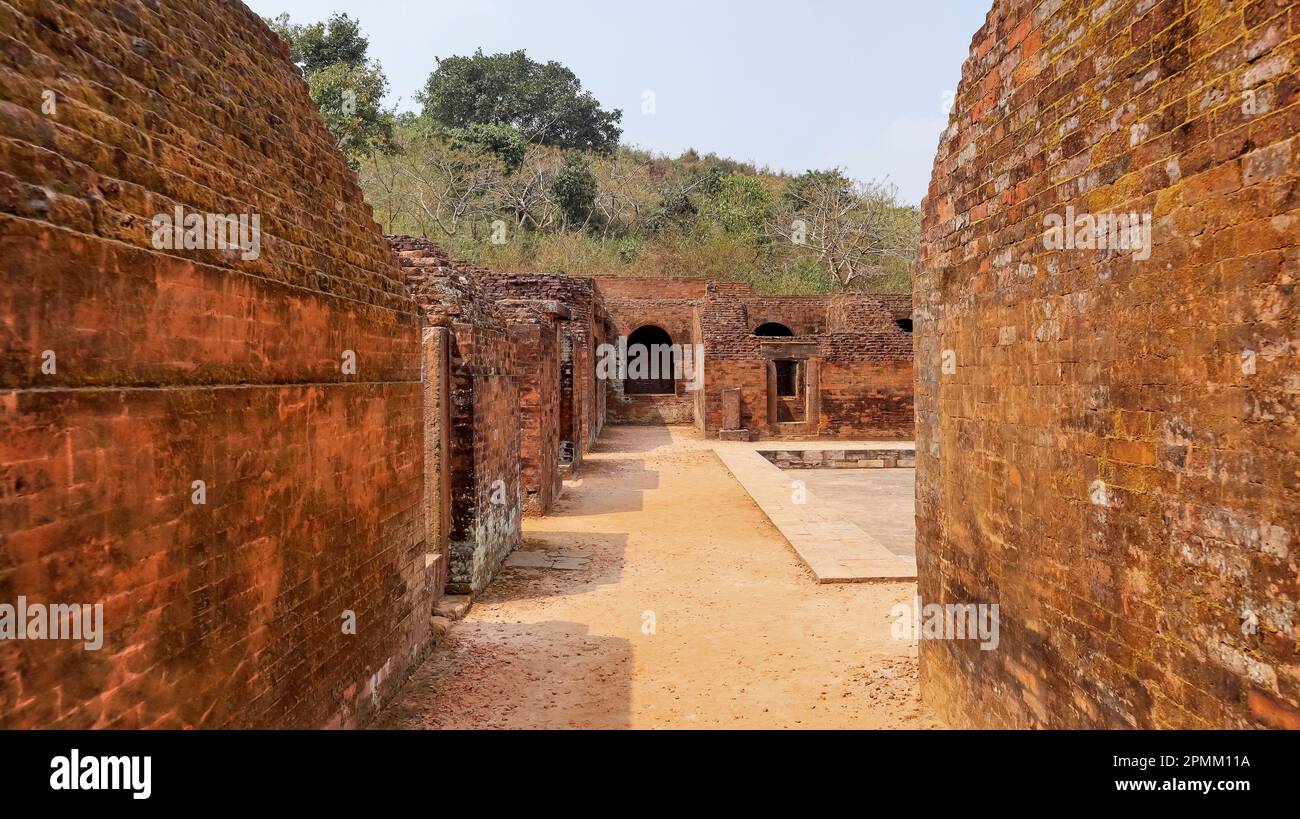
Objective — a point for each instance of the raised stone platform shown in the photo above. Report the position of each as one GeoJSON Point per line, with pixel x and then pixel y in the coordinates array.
{"type": "Point", "coordinates": [834, 549]}
{"type": "Point", "coordinates": [866, 456]}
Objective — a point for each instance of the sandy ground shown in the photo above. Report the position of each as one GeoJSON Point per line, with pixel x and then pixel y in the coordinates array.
{"type": "Point", "coordinates": [689, 611]}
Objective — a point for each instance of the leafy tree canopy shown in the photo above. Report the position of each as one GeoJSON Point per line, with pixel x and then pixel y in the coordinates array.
{"type": "Point", "coordinates": [742, 204]}
{"type": "Point", "coordinates": [499, 139]}
{"type": "Point", "coordinates": [575, 189]}
{"type": "Point", "coordinates": [805, 189]}
{"type": "Point", "coordinates": [321, 45]}
{"type": "Point", "coordinates": [347, 89]}
{"type": "Point", "coordinates": [348, 97]}
{"type": "Point", "coordinates": [544, 102]}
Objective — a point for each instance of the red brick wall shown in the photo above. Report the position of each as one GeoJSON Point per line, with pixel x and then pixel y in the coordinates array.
{"type": "Point", "coordinates": [483, 407]}
{"type": "Point", "coordinates": [485, 475]}
{"type": "Point", "coordinates": [194, 365]}
{"type": "Point", "coordinates": [864, 362]}
{"type": "Point", "coordinates": [670, 313]}
{"type": "Point", "coordinates": [750, 377]}
{"type": "Point", "coordinates": [435, 364]}
{"type": "Point", "coordinates": [537, 356]}
{"type": "Point", "coordinates": [583, 399]}
{"type": "Point", "coordinates": [1111, 454]}
{"type": "Point", "coordinates": [638, 287]}
{"type": "Point", "coordinates": [866, 399]}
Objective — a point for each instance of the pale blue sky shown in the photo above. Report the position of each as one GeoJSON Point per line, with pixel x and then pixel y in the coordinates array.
{"type": "Point", "coordinates": [786, 85]}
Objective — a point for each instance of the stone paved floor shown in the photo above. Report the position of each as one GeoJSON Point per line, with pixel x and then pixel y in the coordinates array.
{"type": "Point", "coordinates": [880, 501]}
{"type": "Point", "coordinates": [692, 611]}
{"type": "Point", "coordinates": [831, 544]}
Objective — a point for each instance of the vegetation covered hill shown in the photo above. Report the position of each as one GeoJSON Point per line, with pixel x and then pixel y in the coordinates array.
{"type": "Point", "coordinates": [513, 166]}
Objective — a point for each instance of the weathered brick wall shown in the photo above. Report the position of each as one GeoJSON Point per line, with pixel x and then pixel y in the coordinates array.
{"type": "Point", "coordinates": [1107, 444]}
{"type": "Point", "coordinates": [582, 412]}
{"type": "Point", "coordinates": [678, 408]}
{"type": "Point", "coordinates": [602, 333]}
{"type": "Point", "coordinates": [866, 399]}
{"type": "Point", "coordinates": [435, 365]}
{"type": "Point", "coordinates": [536, 340]}
{"type": "Point", "coordinates": [176, 366]}
{"type": "Point", "coordinates": [864, 367]}
{"type": "Point", "coordinates": [750, 377]}
{"type": "Point", "coordinates": [630, 306]}
{"type": "Point", "coordinates": [640, 287]}
{"type": "Point", "coordinates": [483, 405]}
{"type": "Point", "coordinates": [486, 496]}
{"type": "Point", "coordinates": [804, 315]}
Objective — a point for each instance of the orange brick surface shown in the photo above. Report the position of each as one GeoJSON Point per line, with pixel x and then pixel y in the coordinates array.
{"type": "Point", "coordinates": [1112, 453]}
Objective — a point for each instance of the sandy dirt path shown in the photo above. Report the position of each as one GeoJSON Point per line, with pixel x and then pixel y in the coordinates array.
{"type": "Point", "coordinates": [689, 610]}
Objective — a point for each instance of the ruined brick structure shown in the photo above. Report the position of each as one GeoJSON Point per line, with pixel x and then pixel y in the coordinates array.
{"type": "Point", "coordinates": [584, 329]}
{"type": "Point", "coordinates": [535, 331]}
{"type": "Point", "coordinates": [1107, 437]}
{"type": "Point", "coordinates": [224, 451]}
{"type": "Point", "coordinates": [806, 366]}
{"type": "Point", "coordinates": [669, 305]}
{"type": "Point", "coordinates": [483, 448]}
{"type": "Point", "coordinates": [849, 355]}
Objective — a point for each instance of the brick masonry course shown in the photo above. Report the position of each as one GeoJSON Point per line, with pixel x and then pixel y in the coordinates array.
{"type": "Point", "coordinates": [176, 366]}
{"type": "Point", "coordinates": [1107, 445]}
{"type": "Point", "coordinates": [484, 439]}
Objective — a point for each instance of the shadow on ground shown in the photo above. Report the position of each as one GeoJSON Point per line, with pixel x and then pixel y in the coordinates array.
{"type": "Point", "coordinates": [626, 438]}
{"type": "Point", "coordinates": [622, 483]}
{"type": "Point", "coordinates": [490, 674]}
{"type": "Point", "coordinates": [554, 564]}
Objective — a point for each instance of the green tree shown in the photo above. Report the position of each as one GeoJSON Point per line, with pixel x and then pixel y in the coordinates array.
{"type": "Point", "coordinates": [348, 97]}
{"type": "Point", "coordinates": [628, 248]}
{"type": "Point", "coordinates": [574, 189]}
{"type": "Point", "coordinates": [499, 139]}
{"type": "Point", "coordinates": [742, 205]}
{"type": "Point", "coordinates": [320, 45]}
{"type": "Point", "coordinates": [544, 102]}
{"type": "Point", "coordinates": [811, 186]}
{"type": "Point", "coordinates": [347, 88]}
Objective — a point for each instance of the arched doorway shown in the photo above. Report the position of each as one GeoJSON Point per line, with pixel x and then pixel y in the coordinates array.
{"type": "Point", "coordinates": [649, 362]}
{"type": "Point", "coordinates": [773, 329]}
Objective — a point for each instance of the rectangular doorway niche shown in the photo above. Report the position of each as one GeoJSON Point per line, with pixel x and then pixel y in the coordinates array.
{"type": "Point", "coordinates": [570, 409]}
{"type": "Point", "coordinates": [793, 405]}
{"type": "Point", "coordinates": [791, 396]}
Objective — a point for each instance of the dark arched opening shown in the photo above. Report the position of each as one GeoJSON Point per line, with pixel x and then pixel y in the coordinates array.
{"type": "Point", "coordinates": [649, 362]}
{"type": "Point", "coordinates": [904, 324]}
{"type": "Point", "coordinates": [774, 329]}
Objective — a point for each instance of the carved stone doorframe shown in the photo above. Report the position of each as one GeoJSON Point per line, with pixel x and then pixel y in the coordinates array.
{"type": "Point", "coordinates": [805, 354]}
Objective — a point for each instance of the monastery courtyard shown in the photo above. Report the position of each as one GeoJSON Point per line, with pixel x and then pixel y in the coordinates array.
{"type": "Point", "coordinates": [658, 594]}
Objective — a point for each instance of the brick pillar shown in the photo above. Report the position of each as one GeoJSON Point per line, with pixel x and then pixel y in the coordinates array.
{"type": "Point", "coordinates": [731, 408]}
{"type": "Point", "coordinates": [772, 419]}
{"type": "Point", "coordinates": [437, 460]}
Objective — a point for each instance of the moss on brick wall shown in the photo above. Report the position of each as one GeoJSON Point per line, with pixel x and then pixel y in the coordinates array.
{"type": "Point", "coordinates": [1107, 437]}
{"type": "Point", "coordinates": [174, 365]}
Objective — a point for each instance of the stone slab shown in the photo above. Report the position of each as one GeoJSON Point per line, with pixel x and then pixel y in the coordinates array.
{"type": "Point", "coordinates": [834, 550]}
